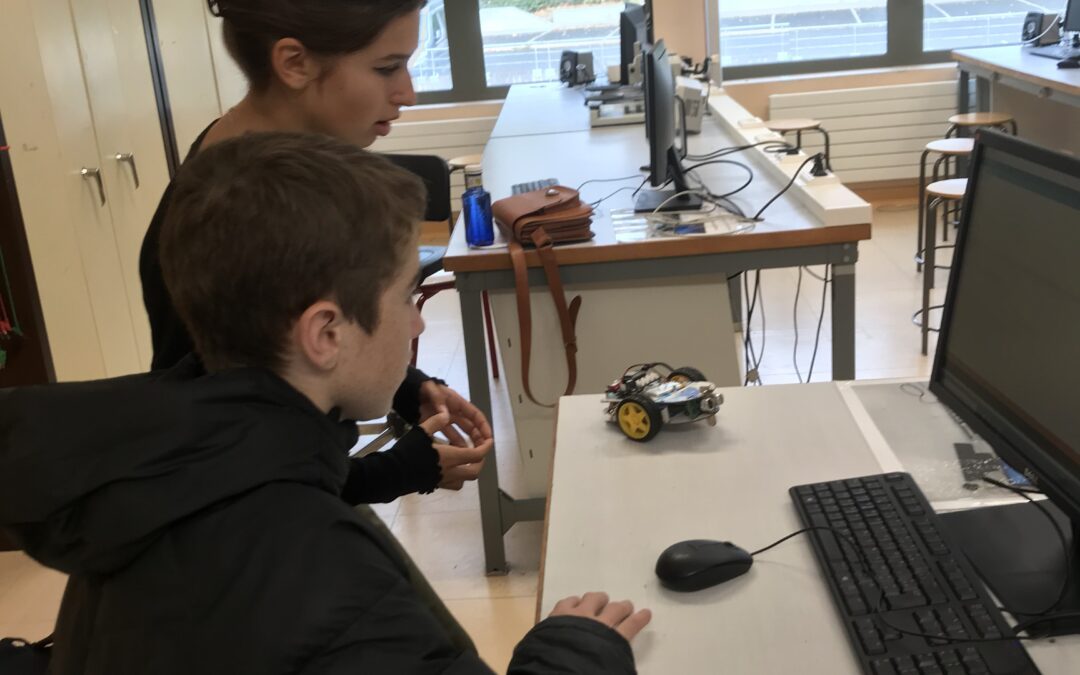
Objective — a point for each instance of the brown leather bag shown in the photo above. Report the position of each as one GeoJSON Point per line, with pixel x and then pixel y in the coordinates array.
{"type": "Point", "coordinates": [543, 218]}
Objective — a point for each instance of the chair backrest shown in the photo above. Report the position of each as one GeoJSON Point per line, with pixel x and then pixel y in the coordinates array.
{"type": "Point", "coordinates": [435, 173]}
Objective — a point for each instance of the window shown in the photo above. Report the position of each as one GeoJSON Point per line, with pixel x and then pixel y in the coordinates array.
{"type": "Point", "coordinates": [524, 39]}
{"type": "Point", "coordinates": [474, 49]}
{"type": "Point", "coordinates": [952, 24]}
{"type": "Point", "coordinates": [776, 31]}
{"type": "Point", "coordinates": [430, 64]}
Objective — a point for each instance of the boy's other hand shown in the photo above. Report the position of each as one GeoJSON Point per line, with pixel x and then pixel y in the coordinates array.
{"type": "Point", "coordinates": [435, 397]}
{"type": "Point", "coordinates": [597, 606]}
{"type": "Point", "coordinates": [458, 463]}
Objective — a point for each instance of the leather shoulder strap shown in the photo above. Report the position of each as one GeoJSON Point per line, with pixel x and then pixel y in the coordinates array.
{"type": "Point", "coordinates": [567, 313]}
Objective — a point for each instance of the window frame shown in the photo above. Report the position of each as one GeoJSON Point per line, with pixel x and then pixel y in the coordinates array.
{"type": "Point", "coordinates": [904, 47]}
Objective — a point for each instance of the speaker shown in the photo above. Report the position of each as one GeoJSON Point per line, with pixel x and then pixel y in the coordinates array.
{"type": "Point", "coordinates": [576, 68]}
{"type": "Point", "coordinates": [1040, 29]}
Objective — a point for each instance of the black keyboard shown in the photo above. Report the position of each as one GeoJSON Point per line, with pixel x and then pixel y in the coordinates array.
{"type": "Point", "coordinates": [533, 185]}
{"type": "Point", "coordinates": [929, 587]}
{"type": "Point", "coordinates": [1056, 52]}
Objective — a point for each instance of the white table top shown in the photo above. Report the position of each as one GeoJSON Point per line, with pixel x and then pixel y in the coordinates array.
{"type": "Point", "coordinates": [1022, 64]}
{"type": "Point", "coordinates": [573, 157]}
{"type": "Point", "coordinates": [616, 504]}
{"type": "Point", "coordinates": [543, 108]}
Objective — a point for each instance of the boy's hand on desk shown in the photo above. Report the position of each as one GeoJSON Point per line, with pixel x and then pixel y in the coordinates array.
{"type": "Point", "coordinates": [597, 606]}
{"type": "Point", "coordinates": [435, 397]}
{"type": "Point", "coordinates": [458, 463]}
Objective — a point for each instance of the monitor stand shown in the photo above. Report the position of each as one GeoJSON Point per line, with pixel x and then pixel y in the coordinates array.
{"type": "Point", "coordinates": [1019, 555]}
{"type": "Point", "coordinates": [648, 201]}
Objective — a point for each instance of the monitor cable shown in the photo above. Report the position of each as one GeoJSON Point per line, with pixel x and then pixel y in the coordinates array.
{"type": "Point", "coordinates": [817, 157]}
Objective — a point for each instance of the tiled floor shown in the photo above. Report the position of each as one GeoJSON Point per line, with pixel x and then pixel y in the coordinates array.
{"type": "Point", "coordinates": [442, 531]}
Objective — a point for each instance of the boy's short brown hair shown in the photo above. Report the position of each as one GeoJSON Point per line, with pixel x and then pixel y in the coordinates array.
{"type": "Point", "coordinates": [263, 225]}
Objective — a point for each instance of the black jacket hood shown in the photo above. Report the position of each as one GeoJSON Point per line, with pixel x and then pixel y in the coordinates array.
{"type": "Point", "coordinates": [91, 473]}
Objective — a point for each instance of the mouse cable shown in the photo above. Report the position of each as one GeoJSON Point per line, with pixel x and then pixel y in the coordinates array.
{"type": "Point", "coordinates": [879, 606]}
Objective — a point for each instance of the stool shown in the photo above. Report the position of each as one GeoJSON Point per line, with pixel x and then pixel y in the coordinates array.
{"type": "Point", "coordinates": [799, 125]}
{"type": "Point", "coordinates": [948, 148]}
{"type": "Point", "coordinates": [458, 163]}
{"type": "Point", "coordinates": [938, 193]}
{"type": "Point", "coordinates": [966, 121]}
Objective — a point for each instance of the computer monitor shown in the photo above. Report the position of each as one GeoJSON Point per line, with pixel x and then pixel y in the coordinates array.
{"type": "Point", "coordinates": [664, 162]}
{"type": "Point", "coordinates": [1072, 16]}
{"type": "Point", "coordinates": [1008, 359]}
{"type": "Point", "coordinates": [634, 34]}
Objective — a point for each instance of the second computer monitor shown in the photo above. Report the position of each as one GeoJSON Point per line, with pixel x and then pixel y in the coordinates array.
{"type": "Point", "coordinates": [664, 161]}
{"type": "Point", "coordinates": [1072, 16]}
{"type": "Point", "coordinates": [1008, 363]}
{"type": "Point", "coordinates": [633, 35]}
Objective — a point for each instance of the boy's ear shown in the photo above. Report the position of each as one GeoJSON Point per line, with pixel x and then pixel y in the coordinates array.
{"type": "Point", "coordinates": [293, 64]}
{"type": "Point", "coordinates": [318, 334]}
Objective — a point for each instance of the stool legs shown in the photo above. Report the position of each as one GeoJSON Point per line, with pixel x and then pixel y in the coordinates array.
{"type": "Point", "coordinates": [928, 268]}
{"type": "Point", "coordinates": [922, 210]}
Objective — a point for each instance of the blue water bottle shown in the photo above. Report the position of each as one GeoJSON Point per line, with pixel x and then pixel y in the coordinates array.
{"type": "Point", "coordinates": [476, 203]}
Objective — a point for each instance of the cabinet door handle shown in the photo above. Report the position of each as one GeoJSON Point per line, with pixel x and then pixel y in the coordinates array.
{"type": "Point", "coordinates": [96, 175]}
{"type": "Point", "coordinates": [130, 159]}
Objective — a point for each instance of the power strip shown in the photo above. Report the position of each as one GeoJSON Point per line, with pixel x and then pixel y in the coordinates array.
{"type": "Point", "coordinates": [825, 197]}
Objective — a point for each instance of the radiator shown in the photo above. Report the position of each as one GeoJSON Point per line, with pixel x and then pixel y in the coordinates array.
{"type": "Point", "coordinates": [446, 138]}
{"type": "Point", "coordinates": [876, 133]}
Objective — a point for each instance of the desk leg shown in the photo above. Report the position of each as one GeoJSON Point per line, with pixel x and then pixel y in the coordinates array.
{"type": "Point", "coordinates": [843, 321]}
{"type": "Point", "coordinates": [472, 323]}
{"type": "Point", "coordinates": [734, 284]}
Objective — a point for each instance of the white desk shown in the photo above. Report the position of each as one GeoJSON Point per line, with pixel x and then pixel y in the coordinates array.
{"type": "Point", "coordinates": [545, 108]}
{"type": "Point", "coordinates": [1017, 68]}
{"type": "Point", "coordinates": [791, 235]}
{"type": "Point", "coordinates": [615, 505]}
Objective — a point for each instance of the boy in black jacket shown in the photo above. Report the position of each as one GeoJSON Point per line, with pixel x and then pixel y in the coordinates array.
{"type": "Point", "coordinates": [198, 511]}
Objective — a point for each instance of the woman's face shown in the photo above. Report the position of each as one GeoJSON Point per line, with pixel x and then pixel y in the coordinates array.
{"type": "Point", "coordinates": [360, 94]}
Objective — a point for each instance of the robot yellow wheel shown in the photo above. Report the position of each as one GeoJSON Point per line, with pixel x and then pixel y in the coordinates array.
{"type": "Point", "coordinates": [639, 418]}
{"type": "Point", "coordinates": [685, 375]}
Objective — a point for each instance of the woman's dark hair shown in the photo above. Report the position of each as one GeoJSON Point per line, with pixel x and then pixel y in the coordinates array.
{"type": "Point", "coordinates": [325, 27]}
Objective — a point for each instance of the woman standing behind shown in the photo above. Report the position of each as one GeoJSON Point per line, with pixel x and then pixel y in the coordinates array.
{"type": "Point", "coordinates": [340, 68]}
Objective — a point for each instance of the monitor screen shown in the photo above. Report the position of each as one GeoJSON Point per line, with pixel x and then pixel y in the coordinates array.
{"type": "Point", "coordinates": [1008, 357]}
{"type": "Point", "coordinates": [664, 160]}
{"type": "Point", "coordinates": [1072, 15]}
{"type": "Point", "coordinates": [633, 30]}
{"type": "Point", "coordinates": [659, 111]}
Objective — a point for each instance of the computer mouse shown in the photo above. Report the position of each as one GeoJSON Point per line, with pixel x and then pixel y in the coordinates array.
{"type": "Point", "coordinates": [1068, 63]}
{"type": "Point", "coordinates": [700, 563]}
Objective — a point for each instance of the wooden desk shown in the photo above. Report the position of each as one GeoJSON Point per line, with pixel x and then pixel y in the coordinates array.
{"type": "Point", "coordinates": [1017, 68]}
{"type": "Point", "coordinates": [790, 237]}
{"type": "Point", "coordinates": [615, 505]}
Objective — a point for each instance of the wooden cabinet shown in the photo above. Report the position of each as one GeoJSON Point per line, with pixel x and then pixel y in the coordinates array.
{"type": "Point", "coordinates": [81, 119]}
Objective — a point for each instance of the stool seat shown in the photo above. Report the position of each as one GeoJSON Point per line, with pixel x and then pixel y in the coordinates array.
{"type": "Point", "coordinates": [794, 124]}
{"type": "Point", "coordinates": [952, 146]}
{"type": "Point", "coordinates": [980, 119]}
{"type": "Point", "coordinates": [954, 188]}
{"type": "Point", "coordinates": [463, 161]}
